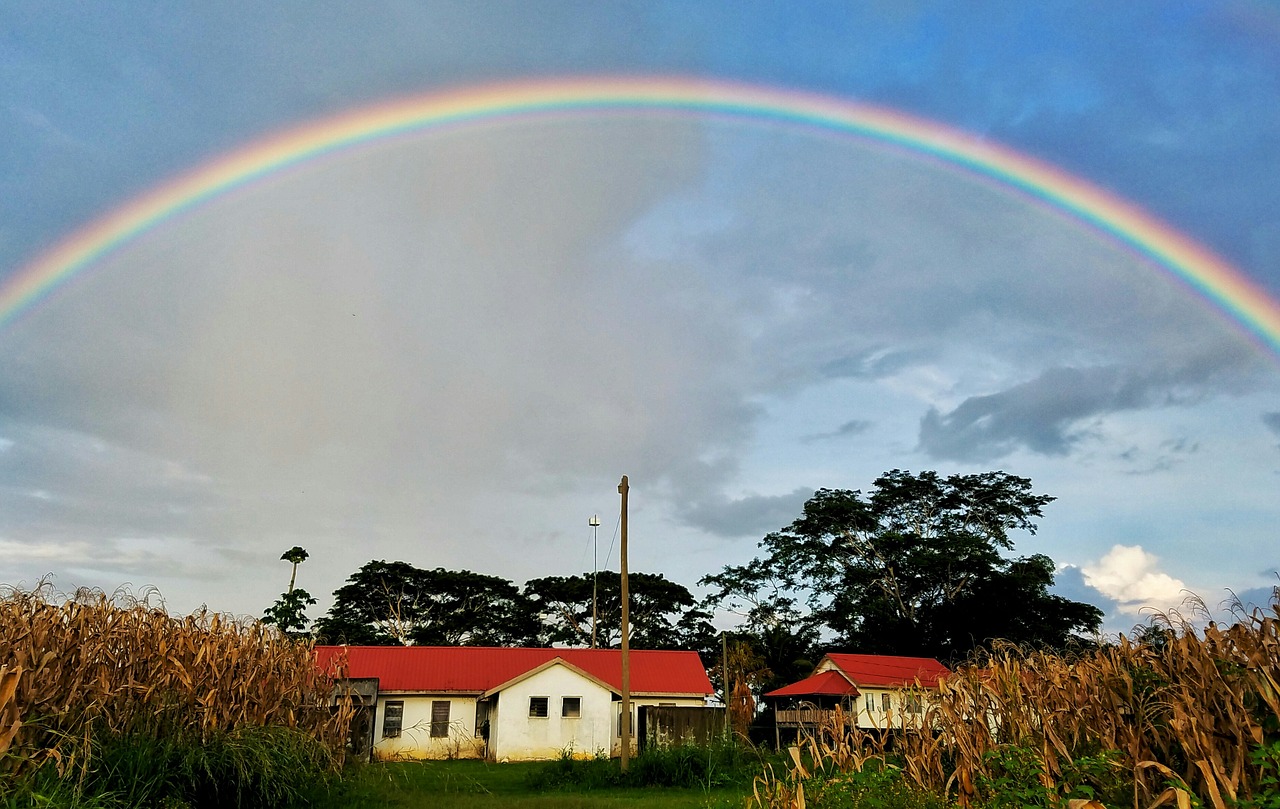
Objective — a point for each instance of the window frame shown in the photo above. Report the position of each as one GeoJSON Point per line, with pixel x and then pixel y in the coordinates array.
{"type": "Point", "coordinates": [577, 708]}
{"type": "Point", "coordinates": [440, 727]}
{"type": "Point", "coordinates": [387, 711]}
{"type": "Point", "coordinates": [533, 707]}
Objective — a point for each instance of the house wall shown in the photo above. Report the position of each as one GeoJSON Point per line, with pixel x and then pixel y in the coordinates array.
{"type": "Point", "coordinates": [415, 740]}
{"type": "Point", "coordinates": [515, 735]}
{"type": "Point", "coordinates": [869, 706]}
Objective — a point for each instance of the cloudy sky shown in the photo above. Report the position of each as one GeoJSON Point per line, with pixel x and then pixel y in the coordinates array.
{"type": "Point", "coordinates": [447, 347]}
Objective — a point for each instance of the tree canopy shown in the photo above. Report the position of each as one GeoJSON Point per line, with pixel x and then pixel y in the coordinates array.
{"type": "Point", "coordinates": [914, 567]}
{"type": "Point", "coordinates": [663, 613]}
{"type": "Point", "coordinates": [394, 603]}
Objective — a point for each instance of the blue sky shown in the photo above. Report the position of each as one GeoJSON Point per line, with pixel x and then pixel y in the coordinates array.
{"type": "Point", "coordinates": [448, 349]}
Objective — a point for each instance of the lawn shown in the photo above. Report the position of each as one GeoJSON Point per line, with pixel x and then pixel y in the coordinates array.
{"type": "Point", "coordinates": [484, 785]}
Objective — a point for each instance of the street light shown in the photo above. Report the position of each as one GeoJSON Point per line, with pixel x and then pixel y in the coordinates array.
{"type": "Point", "coordinates": [594, 522]}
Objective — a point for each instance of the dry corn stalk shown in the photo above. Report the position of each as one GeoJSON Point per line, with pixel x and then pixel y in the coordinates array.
{"type": "Point", "coordinates": [94, 664]}
{"type": "Point", "coordinates": [10, 721]}
{"type": "Point", "coordinates": [1202, 698]}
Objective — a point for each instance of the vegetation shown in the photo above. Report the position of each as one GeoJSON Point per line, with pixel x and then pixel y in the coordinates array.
{"type": "Point", "coordinates": [1193, 718]}
{"type": "Point", "coordinates": [518, 785]}
{"type": "Point", "coordinates": [394, 603]}
{"type": "Point", "coordinates": [914, 568]}
{"type": "Point", "coordinates": [289, 611]}
{"type": "Point", "coordinates": [111, 701]}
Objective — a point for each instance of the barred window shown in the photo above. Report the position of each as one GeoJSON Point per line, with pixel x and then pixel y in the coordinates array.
{"type": "Point", "coordinates": [538, 707]}
{"type": "Point", "coordinates": [392, 716]}
{"type": "Point", "coordinates": [439, 718]}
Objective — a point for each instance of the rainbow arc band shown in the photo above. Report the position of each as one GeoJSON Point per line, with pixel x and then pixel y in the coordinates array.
{"type": "Point", "coordinates": [1193, 267]}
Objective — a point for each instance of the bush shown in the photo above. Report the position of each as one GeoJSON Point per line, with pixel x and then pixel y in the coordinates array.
{"type": "Point", "coordinates": [687, 766]}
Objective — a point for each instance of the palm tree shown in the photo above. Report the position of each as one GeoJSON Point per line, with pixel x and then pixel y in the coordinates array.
{"type": "Point", "coordinates": [297, 556]}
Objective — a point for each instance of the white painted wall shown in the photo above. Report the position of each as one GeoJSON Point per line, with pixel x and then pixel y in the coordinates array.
{"type": "Point", "coordinates": [869, 706]}
{"type": "Point", "coordinates": [415, 740]}
{"type": "Point", "coordinates": [517, 736]}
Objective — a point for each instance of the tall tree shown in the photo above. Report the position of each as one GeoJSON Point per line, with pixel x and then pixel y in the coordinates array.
{"type": "Point", "coordinates": [915, 567]}
{"type": "Point", "coordinates": [296, 556]}
{"type": "Point", "coordinates": [289, 610]}
{"type": "Point", "coordinates": [664, 614]}
{"type": "Point", "coordinates": [395, 603]}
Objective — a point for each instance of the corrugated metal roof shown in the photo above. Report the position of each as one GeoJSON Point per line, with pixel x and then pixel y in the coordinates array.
{"type": "Point", "coordinates": [889, 670]}
{"type": "Point", "coordinates": [827, 683]}
{"type": "Point", "coordinates": [476, 669]}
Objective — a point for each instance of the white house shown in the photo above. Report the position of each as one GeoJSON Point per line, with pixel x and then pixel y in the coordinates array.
{"type": "Point", "coordinates": [513, 704]}
{"type": "Point", "coordinates": [878, 691]}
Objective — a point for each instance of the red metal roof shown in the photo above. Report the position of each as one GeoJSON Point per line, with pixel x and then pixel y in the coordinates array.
{"type": "Point", "coordinates": [476, 669]}
{"type": "Point", "coordinates": [827, 683]}
{"type": "Point", "coordinates": [889, 670]}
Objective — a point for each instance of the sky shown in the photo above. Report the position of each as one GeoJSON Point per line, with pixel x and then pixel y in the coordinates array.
{"type": "Point", "coordinates": [446, 347]}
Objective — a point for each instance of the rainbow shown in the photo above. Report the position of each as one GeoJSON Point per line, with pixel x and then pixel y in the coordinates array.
{"type": "Point", "coordinates": [1191, 265]}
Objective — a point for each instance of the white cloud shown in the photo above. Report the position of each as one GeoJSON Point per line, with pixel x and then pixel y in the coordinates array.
{"type": "Point", "coordinates": [1130, 575]}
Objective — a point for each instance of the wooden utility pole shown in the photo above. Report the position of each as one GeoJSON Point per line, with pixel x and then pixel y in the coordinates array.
{"type": "Point", "coordinates": [594, 522]}
{"type": "Point", "coordinates": [625, 724]}
{"type": "Point", "coordinates": [724, 681]}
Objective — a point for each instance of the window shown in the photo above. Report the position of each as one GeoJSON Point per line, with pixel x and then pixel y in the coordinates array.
{"type": "Point", "coordinates": [439, 718]}
{"type": "Point", "coordinates": [538, 707]}
{"type": "Point", "coordinates": [392, 716]}
{"type": "Point", "coordinates": [571, 707]}
{"type": "Point", "coordinates": [886, 703]}
{"type": "Point", "coordinates": [911, 703]}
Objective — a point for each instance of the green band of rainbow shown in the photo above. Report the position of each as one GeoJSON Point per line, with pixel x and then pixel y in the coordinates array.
{"type": "Point", "coordinates": [1206, 275]}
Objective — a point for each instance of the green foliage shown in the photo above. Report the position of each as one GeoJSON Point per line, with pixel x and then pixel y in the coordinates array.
{"type": "Point", "coordinates": [707, 767]}
{"type": "Point", "coordinates": [915, 567]}
{"type": "Point", "coordinates": [260, 767]}
{"type": "Point", "coordinates": [872, 787]}
{"type": "Point", "coordinates": [1010, 779]}
{"type": "Point", "coordinates": [289, 612]}
{"type": "Point", "coordinates": [663, 613]}
{"type": "Point", "coordinates": [395, 603]}
{"type": "Point", "coordinates": [1266, 758]}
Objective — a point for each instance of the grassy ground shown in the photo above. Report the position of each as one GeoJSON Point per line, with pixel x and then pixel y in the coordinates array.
{"type": "Point", "coordinates": [483, 785]}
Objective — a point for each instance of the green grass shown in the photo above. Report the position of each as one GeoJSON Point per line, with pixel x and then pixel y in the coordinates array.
{"type": "Point", "coordinates": [485, 785]}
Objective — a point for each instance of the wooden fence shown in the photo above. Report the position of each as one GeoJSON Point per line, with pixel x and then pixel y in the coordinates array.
{"type": "Point", "coordinates": [666, 725]}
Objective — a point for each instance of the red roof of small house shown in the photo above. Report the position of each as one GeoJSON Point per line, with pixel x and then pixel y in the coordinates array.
{"type": "Point", "coordinates": [476, 669]}
{"type": "Point", "coordinates": [825, 683]}
{"type": "Point", "coordinates": [889, 670]}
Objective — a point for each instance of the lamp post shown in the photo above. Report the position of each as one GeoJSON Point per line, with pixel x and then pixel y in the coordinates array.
{"type": "Point", "coordinates": [594, 522]}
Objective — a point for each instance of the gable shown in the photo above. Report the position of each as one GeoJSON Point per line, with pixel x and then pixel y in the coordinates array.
{"type": "Point", "coordinates": [892, 671]}
{"type": "Point", "coordinates": [555, 663]}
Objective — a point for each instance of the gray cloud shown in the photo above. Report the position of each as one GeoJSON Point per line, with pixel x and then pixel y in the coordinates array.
{"type": "Point", "coordinates": [1272, 420]}
{"type": "Point", "coordinates": [854, 427]}
{"type": "Point", "coordinates": [1049, 414]}
{"type": "Point", "coordinates": [752, 516]}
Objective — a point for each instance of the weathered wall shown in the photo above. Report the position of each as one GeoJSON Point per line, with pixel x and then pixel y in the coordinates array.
{"type": "Point", "coordinates": [415, 740]}
{"type": "Point", "coordinates": [517, 736]}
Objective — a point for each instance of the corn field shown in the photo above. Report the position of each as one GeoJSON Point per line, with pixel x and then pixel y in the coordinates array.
{"type": "Point", "coordinates": [1172, 715]}
{"type": "Point", "coordinates": [92, 666]}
